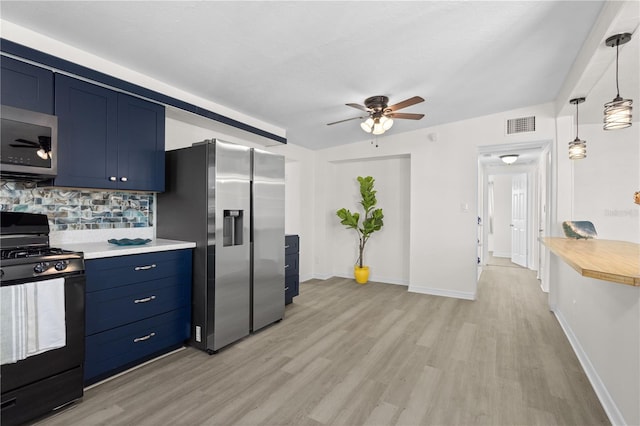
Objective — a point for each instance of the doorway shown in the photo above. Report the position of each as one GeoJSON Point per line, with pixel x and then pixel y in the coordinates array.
{"type": "Point", "coordinates": [521, 191]}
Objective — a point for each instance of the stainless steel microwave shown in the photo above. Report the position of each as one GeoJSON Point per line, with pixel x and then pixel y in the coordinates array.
{"type": "Point", "coordinates": [28, 145]}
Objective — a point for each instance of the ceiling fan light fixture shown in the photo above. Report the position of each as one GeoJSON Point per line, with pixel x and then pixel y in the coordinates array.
{"type": "Point", "coordinates": [378, 128]}
{"type": "Point", "coordinates": [367, 125]}
{"type": "Point", "coordinates": [509, 158]}
{"type": "Point", "coordinates": [617, 113]}
{"type": "Point", "coordinates": [386, 122]}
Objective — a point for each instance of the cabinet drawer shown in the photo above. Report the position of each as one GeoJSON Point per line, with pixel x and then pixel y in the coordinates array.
{"type": "Point", "coordinates": [291, 244]}
{"type": "Point", "coordinates": [291, 287]}
{"type": "Point", "coordinates": [120, 346]}
{"type": "Point", "coordinates": [114, 307]}
{"type": "Point", "coordinates": [291, 264]}
{"type": "Point", "coordinates": [123, 270]}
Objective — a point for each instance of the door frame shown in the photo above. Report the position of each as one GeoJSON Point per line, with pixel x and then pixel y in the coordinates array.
{"type": "Point", "coordinates": [546, 154]}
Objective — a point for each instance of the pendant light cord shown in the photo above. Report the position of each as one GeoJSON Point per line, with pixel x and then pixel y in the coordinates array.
{"type": "Point", "coordinates": [577, 118]}
{"type": "Point", "coordinates": [617, 50]}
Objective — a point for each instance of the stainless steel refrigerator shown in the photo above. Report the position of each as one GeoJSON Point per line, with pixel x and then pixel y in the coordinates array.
{"type": "Point", "coordinates": [229, 199]}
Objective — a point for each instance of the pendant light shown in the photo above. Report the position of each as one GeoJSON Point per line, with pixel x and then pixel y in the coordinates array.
{"type": "Point", "coordinates": [617, 113]}
{"type": "Point", "coordinates": [577, 148]}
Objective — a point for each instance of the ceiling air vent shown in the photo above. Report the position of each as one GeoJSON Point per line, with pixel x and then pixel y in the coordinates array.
{"type": "Point", "coordinates": [521, 125]}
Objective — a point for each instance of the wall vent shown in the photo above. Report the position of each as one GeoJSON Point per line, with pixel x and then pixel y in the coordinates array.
{"type": "Point", "coordinates": [521, 125]}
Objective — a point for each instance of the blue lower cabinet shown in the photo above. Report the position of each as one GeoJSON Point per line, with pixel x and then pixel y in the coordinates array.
{"type": "Point", "coordinates": [137, 307]}
{"type": "Point", "coordinates": [291, 267]}
{"type": "Point", "coordinates": [113, 350]}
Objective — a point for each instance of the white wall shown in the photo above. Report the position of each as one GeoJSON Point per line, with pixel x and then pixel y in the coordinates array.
{"type": "Point", "coordinates": [605, 181]}
{"type": "Point", "coordinates": [601, 319]}
{"type": "Point", "coordinates": [387, 251]}
{"type": "Point", "coordinates": [501, 237]}
{"type": "Point", "coordinates": [443, 192]}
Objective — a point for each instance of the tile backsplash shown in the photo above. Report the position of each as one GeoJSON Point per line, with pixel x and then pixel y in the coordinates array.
{"type": "Point", "coordinates": [79, 209]}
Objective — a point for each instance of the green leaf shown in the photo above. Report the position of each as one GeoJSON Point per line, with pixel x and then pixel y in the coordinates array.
{"type": "Point", "coordinates": [372, 220]}
{"type": "Point", "coordinates": [348, 219]}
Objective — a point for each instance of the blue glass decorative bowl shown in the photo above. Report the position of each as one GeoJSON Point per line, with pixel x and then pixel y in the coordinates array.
{"type": "Point", "coordinates": [129, 242]}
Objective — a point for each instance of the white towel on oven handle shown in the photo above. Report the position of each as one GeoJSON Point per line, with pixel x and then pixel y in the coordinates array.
{"type": "Point", "coordinates": [33, 319]}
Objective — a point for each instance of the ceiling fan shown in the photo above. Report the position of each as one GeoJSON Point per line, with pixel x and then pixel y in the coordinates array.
{"type": "Point", "coordinates": [380, 118]}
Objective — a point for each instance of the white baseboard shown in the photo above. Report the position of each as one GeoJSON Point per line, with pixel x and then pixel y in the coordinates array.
{"type": "Point", "coordinates": [609, 405]}
{"type": "Point", "coordinates": [377, 279]}
{"type": "Point", "coordinates": [442, 292]}
{"type": "Point", "coordinates": [316, 277]}
{"type": "Point", "coordinates": [501, 254]}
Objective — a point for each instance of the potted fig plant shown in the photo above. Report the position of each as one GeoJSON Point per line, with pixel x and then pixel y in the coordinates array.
{"type": "Point", "coordinates": [371, 222]}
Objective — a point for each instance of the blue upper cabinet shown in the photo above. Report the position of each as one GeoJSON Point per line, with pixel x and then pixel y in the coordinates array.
{"type": "Point", "coordinates": [106, 139]}
{"type": "Point", "coordinates": [26, 86]}
{"type": "Point", "coordinates": [141, 127]}
{"type": "Point", "coordinates": [87, 134]}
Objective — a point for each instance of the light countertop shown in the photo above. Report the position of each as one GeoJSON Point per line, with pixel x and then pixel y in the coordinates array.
{"type": "Point", "coordinates": [104, 249]}
{"type": "Point", "coordinates": [615, 261]}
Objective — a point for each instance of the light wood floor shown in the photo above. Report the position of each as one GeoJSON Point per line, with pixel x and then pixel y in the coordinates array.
{"type": "Point", "coordinates": [369, 355]}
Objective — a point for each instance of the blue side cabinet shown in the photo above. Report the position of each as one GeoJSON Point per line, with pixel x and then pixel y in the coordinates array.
{"type": "Point", "coordinates": [137, 307]}
{"type": "Point", "coordinates": [108, 140]}
{"type": "Point", "coordinates": [26, 86]}
{"type": "Point", "coordinates": [291, 267]}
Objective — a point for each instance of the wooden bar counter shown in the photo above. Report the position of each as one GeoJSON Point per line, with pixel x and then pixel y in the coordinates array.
{"type": "Point", "coordinates": [615, 261]}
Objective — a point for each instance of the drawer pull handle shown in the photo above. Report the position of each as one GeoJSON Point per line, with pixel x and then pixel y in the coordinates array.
{"type": "Point", "coordinates": [144, 300]}
{"type": "Point", "coordinates": [143, 338]}
{"type": "Point", "coordinates": [286, 266]}
{"type": "Point", "coordinates": [287, 247]}
{"type": "Point", "coordinates": [286, 288]}
{"type": "Point", "coordinates": [144, 268]}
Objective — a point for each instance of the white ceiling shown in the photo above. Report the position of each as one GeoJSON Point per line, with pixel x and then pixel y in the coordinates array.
{"type": "Point", "coordinates": [295, 64]}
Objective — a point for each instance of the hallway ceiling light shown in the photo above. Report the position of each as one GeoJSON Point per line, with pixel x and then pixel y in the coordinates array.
{"type": "Point", "coordinates": [509, 158]}
{"type": "Point", "coordinates": [577, 147]}
{"type": "Point", "coordinates": [617, 113]}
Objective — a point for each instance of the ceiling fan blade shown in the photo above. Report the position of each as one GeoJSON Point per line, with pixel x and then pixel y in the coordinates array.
{"type": "Point", "coordinates": [348, 119]}
{"type": "Point", "coordinates": [358, 106]}
{"type": "Point", "coordinates": [26, 142]}
{"type": "Point", "coordinates": [405, 115]}
{"type": "Point", "coordinates": [406, 103]}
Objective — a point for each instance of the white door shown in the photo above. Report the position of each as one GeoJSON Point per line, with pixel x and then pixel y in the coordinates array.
{"type": "Point", "coordinates": [519, 219]}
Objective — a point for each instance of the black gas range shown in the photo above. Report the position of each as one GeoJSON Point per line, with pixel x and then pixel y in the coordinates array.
{"type": "Point", "coordinates": [44, 382]}
{"type": "Point", "coordinates": [25, 252]}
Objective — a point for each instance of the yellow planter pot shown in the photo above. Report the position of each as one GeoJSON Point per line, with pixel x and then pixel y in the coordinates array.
{"type": "Point", "coordinates": [361, 274]}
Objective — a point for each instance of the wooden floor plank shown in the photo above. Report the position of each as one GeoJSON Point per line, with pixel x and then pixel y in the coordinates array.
{"type": "Point", "coordinates": [349, 354]}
